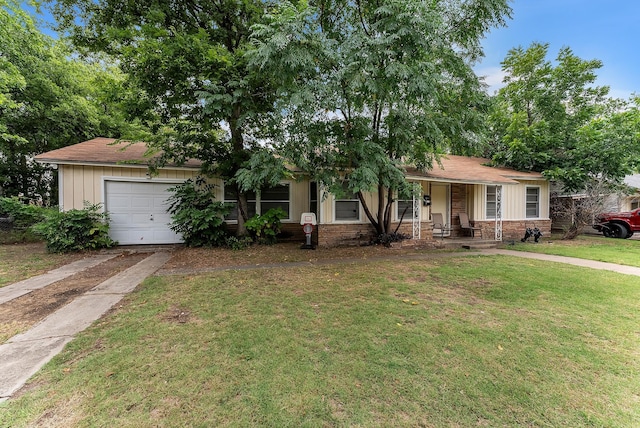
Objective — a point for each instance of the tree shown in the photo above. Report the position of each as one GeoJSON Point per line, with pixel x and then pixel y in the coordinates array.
{"type": "Point", "coordinates": [48, 99]}
{"type": "Point", "coordinates": [190, 58]}
{"type": "Point", "coordinates": [368, 86]}
{"type": "Point", "coordinates": [548, 118]}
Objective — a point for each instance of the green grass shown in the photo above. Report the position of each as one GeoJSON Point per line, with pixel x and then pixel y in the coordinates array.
{"type": "Point", "coordinates": [488, 341]}
{"type": "Point", "coordinates": [21, 261]}
{"type": "Point", "coordinates": [621, 251]}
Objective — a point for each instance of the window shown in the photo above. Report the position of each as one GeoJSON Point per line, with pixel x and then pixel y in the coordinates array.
{"type": "Point", "coordinates": [405, 202]}
{"type": "Point", "coordinates": [348, 206]}
{"type": "Point", "coordinates": [634, 205]}
{"type": "Point", "coordinates": [275, 197]}
{"type": "Point", "coordinates": [231, 199]}
{"type": "Point", "coordinates": [533, 202]}
{"type": "Point", "coordinates": [313, 197]}
{"type": "Point", "coordinates": [401, 206]}
{"type": "Point", "coordinates": [491, 202]}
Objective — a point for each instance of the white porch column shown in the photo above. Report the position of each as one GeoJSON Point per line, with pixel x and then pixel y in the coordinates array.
{"type": "Point", "coordinates": [415, 220]}
{"type": "Point", "coordinates": [498, 232]}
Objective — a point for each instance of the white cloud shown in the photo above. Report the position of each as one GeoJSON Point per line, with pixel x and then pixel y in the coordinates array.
{"type": "Point", "coordinates": [492, 76]}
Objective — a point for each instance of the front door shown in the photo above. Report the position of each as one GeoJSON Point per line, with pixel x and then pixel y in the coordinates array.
{"type": "Point", "coordinates": [441, 203]}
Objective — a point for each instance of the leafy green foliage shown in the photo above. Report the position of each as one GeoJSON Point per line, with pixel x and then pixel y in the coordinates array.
{"type": "Point", "coordinates": [51, 98]}
{"type": "Point", "coordinates": [265, 228]}
{"type": "Point", "coordinates": [190, 58]}
{"type": "Point", "coordinates": [238, 243]}
{"type": "Point", "coordinates": [196, 215]}
{"type": "Point", "coordinates": [548, 118]}
{"type": "Point", "coordinates": [75, 230]}
{"type": "Point", "coordinates": [370, 86]}
{"type": "Point", "coordinates": [23, 215]}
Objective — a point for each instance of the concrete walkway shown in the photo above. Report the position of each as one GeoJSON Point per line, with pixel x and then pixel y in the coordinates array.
{"type": "Point", "coordinates": [627, 270]}
{"type": "Point", "coordinates": [21, 288]}
{"type": "Point", "coordinates": [24, 354]}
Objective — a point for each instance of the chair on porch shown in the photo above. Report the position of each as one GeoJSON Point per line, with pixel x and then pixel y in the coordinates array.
{"type": "Point", "coordinates": [465, 225]}
{"type": "Point", "coordinates": [438, 223]}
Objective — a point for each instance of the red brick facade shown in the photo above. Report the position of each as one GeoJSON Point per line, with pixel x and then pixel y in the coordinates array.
{"type": "Point", "coordinates": [332, 235]}
{"type": "Point", "coordinates": [346, 234]}
{"type": "Point", "coordinates": [513, 229]}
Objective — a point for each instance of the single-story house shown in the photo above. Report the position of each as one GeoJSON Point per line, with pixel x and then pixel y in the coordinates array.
{"type": "Point", "coordinates": [501, 202]}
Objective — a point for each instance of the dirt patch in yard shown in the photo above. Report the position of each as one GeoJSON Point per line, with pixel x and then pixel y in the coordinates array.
{"type": "Point", "coordinates": [184, 259]}
{"type": "Point", "coordinates": [19, 314]}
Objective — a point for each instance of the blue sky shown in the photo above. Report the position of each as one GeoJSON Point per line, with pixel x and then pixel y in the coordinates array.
{"type": "Point", "coordinates": [608, 30]}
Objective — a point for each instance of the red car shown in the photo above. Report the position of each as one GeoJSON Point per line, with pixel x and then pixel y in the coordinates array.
{"type": "Point", "coordinates": [618, 225]}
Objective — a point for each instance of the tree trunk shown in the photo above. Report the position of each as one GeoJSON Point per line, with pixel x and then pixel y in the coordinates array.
{"type": "Point", "coordinates": [243, 213]}
{"type": "Point", "coordinates": [381, 205]}
{"type": "Point", "coordinates": [387, 211]}
{"type": "Point", "coordinates": [237, 142]}
{"type": "Point", "coordinates": [377, 226]}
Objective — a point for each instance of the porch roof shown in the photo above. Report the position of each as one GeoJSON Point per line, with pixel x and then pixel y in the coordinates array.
{"type": "Point", "coordinates": [471, 170]}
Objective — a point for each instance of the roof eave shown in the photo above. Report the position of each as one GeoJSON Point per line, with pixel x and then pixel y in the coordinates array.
{"type": "Point", "coordinates": [109, 164]}
{"type": "Point", "coordinates": [462, 181]}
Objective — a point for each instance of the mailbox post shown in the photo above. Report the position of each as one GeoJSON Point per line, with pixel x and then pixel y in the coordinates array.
{"type": "Point", "coordinates": [308, 220]}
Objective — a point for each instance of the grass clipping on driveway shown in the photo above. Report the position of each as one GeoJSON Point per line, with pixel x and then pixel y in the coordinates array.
{"type": "Point", "coordinates": [487, 341]}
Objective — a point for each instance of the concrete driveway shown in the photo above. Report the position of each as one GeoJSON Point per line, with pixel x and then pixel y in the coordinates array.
{"type": "Point", "coordinates": [24, 354]}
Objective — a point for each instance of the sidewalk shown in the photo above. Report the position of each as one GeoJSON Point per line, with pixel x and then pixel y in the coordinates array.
{"type": "Point", "coordinates": [627, 270]}
{"type": "Point", "coordinates": [24, 354]}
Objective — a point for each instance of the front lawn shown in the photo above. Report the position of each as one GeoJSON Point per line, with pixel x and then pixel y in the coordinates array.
{"type": "Point", "coordinates": [621, 251]}
{"type": "Point", "coordinates": [475, 341]}
{"type": "Point", "coordinates": [22, 261]}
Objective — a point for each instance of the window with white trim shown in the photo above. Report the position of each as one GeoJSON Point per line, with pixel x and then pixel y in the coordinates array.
{"type": "Point", "coordinates": [347, 208]}
{"type": "Point", "coordinates": [404, 202]}
{"type": "Point", "coordinates": [533, 202]}
{"type": "Point", "coordinates": [635, 204]}
{"type": "Point", "coordinates": [275, 197]}
{"type": "Point", "coordinates": [490, 209]}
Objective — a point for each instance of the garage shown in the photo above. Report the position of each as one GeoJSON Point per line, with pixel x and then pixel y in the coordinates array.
{"type": "Point", "coordinates": [138, 212]}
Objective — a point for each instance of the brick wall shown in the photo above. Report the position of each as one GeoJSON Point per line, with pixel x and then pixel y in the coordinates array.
{"type": "Point", "coordinates": [332, 235]}
{"type": "Point", "coordinates": [513, 229]}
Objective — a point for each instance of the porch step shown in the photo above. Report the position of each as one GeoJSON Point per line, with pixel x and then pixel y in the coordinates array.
{"type": "Point", "coordinates": [480, 245]}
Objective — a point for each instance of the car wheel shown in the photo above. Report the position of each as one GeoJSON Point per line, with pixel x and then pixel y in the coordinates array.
{"type": "Point", "coordinates": [606, 231]}
{"type": "Point", "coordinates": [618, 231]}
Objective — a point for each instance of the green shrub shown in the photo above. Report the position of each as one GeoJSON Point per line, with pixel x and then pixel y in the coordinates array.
{"type": "Point", "coordinates": [240, 243]}
{"type": "Point", "coordinates": [387, 239]}
{"type": "Point", "coordinates": [265, 228]}
{"type": "Point", "coordinates": [196, 215]}
{"type": "Point", "coordinates": [22, 214]}
{"type": "Point", "coordinates": [75, 230]}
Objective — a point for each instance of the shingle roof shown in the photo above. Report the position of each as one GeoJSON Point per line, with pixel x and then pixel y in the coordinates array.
{"type": "Point", "coordinates": [464, 169]}
{"type": "Point", "coordinates": [458, 169]}
{"type": "Point", "coordinates": [102, 151]}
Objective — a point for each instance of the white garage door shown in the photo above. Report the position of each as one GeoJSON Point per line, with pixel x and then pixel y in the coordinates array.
{"type": "Point", "coordinates": [138, 212]}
